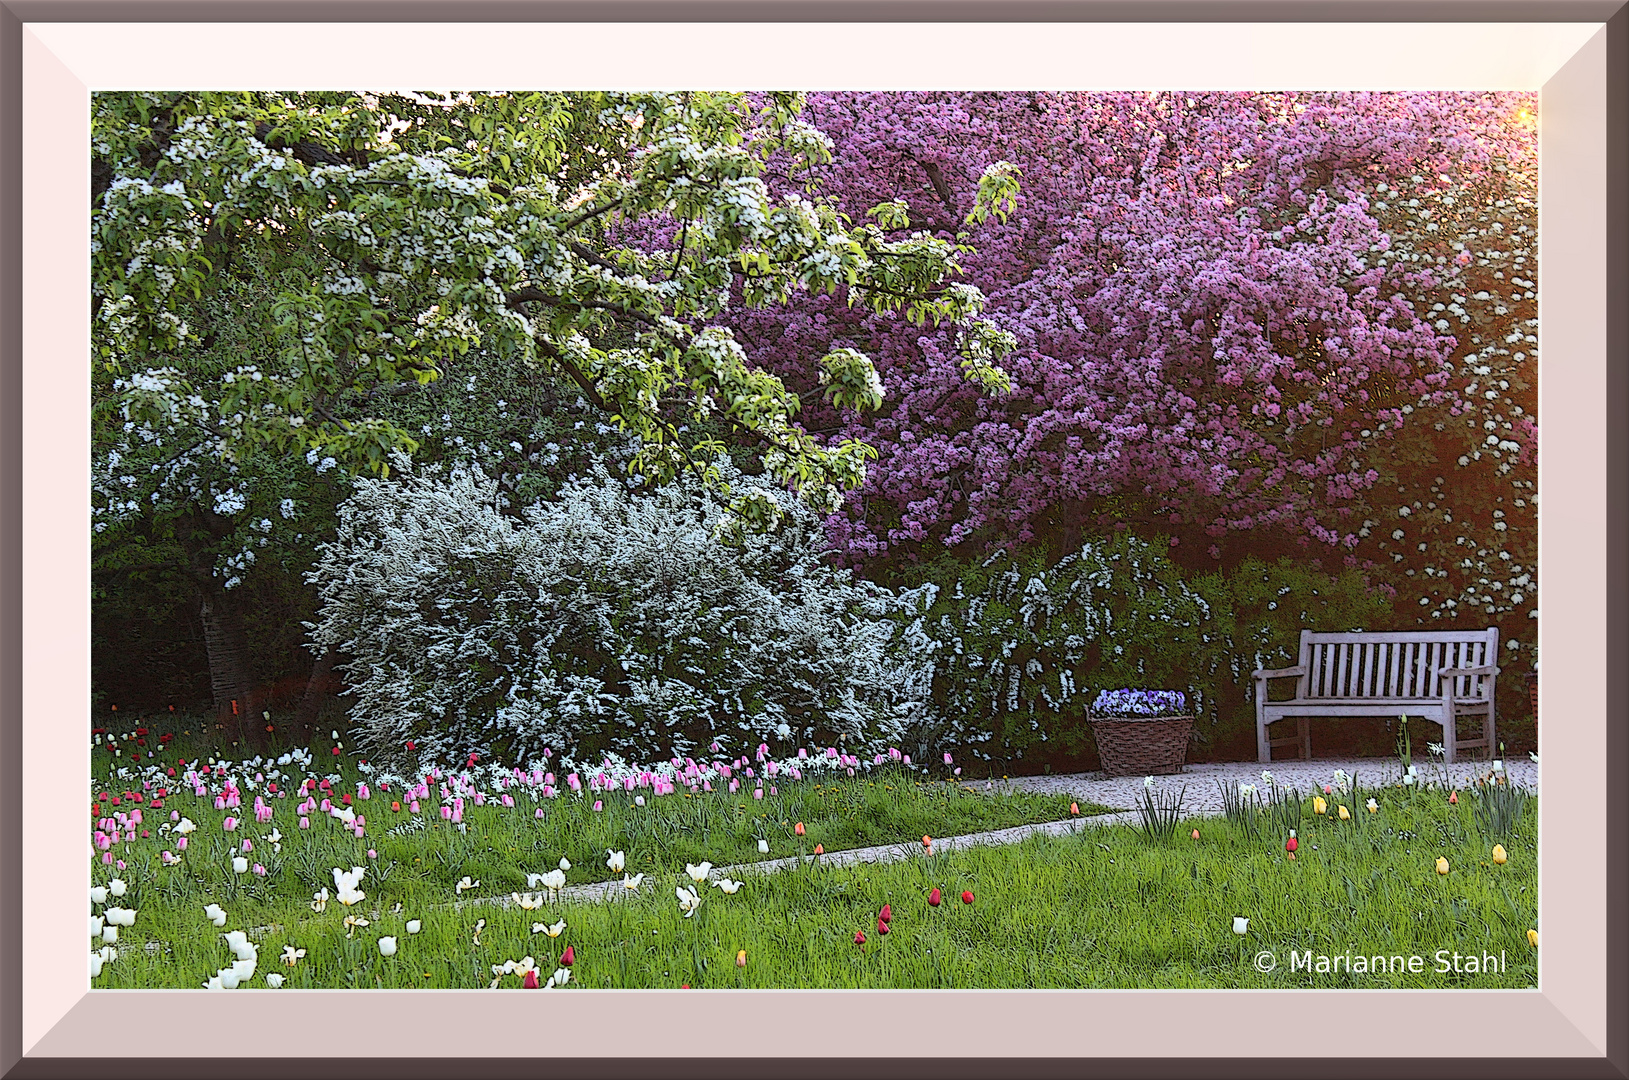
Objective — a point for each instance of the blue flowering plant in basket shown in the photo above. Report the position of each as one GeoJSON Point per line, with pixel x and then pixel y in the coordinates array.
{"type": "Point", "coordinates": [1136, 704]}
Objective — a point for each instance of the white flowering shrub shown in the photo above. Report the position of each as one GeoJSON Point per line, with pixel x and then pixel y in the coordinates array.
{"type": "Point", "coordinates": [603, 622]}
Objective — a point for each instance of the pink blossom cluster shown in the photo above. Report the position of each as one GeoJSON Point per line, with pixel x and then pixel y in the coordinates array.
{"type": "Point", "coordinates": [1206, 314]}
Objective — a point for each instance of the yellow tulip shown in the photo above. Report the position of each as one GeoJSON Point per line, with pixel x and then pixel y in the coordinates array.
{"type": "Point", "coordinates": [1532, 938]}
{"type": "Point", "coordinates": [1346, 815]}
{"type": "Point", "coordinates": [1499, 854]}
{"type": "Point", "coordinates": [1318, 805]}
{"type": "Point", "coordinates": [1442, 865]}
{"type": "Point", "coordinates": [741, 958]}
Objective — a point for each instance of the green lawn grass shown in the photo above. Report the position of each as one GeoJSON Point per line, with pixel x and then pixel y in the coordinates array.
{"type": "Point", "coordinates": [1103, 908]}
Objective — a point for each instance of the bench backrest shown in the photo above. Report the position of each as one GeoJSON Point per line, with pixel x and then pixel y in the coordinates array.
{"type": "Point", "coordinates": [1378, 664]}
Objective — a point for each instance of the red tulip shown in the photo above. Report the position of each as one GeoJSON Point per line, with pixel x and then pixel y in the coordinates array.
{"type": "Point", "coordinates": [967, 897]}
{"type": "Point", "coordinates": [882, 927]}
{"type": "Point", "coordinates": [819, 850]}
{"type": "Point", "coordinates": [568, 957]}
{"type": "Point", "coordinates": [410, 744]}
{"type": "Point", "coordinates": [859, 937]}
{"type": "Point", "coordinates": [396, 806]}
{"type": "Point", "coordinates": [927, 841]}
{"type": "Point", "coordinates": [336, 751]}
{"type": "Point", "coordinates": [798, 828]}
{"type": "Point", "coordinates": [530, 981]}
{"type": "Point", "coordinates": [933, 898]}
{"type": "Point", "coordinates": [886, 913]}
{"type": "Point", "coordinates": [1290, 845]}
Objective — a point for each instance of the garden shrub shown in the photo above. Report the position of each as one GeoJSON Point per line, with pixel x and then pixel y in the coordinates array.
{"type": "Point", "coordinates": [1020, 648]}
{"type": "Point", "coordinates": [604, 622]}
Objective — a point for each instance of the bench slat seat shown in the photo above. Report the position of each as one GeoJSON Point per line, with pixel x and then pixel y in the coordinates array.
{"type": "Point", "coordinates": [1435, 675]}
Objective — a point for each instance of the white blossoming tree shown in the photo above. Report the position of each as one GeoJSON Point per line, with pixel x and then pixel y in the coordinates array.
{"type": "Point", "coordinates": [271, 271]}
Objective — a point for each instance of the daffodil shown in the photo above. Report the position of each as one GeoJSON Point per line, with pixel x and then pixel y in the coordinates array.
{"type": "Point", "coordinates": [698, 874]}
{"type": "Point", "coordinates": [615, 861]}
{"type": "Point", "coordinates": [688, 900]}
{"type": "Point", "coordinates": [291, 954]}
{"type": "Point", "coordinates": [727, 885]}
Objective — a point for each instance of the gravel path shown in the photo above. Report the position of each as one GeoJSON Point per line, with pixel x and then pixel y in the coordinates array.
{"type": "Point", "coordinates": [1204, 794]}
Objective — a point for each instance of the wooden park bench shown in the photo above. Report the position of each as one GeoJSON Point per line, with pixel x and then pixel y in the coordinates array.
{"type": "Point", "coordinates": [1439, 675]}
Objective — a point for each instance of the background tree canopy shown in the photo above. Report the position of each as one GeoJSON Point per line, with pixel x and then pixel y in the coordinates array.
{"type": "Point", "coordinates": [1237, 326]}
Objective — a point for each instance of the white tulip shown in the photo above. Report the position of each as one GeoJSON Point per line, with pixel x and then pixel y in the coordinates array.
{"type": "Point", "coordinates": [565, 864]}
{"type": "Point", "coordinates": [244, 969]}
{"type": "Point", "coordinates": [688, 901]}
{"type": "Point", "coordinates": [274, 980]}
{"type": "Point", "coordinates": [615, 862]}
{"type": "Point", "coordinates": [414, 926]}
{"type": "Point", "coordinates": [240, 865]}
{"type": "Point", "coordinates": [110, 933]}
{"type": "Point", "coordinates": [215, 915]}
{"type": "Point", "coordinates": [98, 894]}
{"type": "Point", "coordinates": [763, 847]}
{"type": "Point", "coordinates": [1240, 924]}
{"type": "Point", "coordinates": [560, 977]}
{"type": "Point", "coordinates": [1498, 765]}
{"type": "Point", "coordinates": [120, 916]}
{"type": "Point", "coordinates": [95, 925]}
{"type": "Point", "coordinates": [632, 882]}
{"type": "Point", "coordinates": [387, 946]}
{"type": "Point", "coordinates": [698, 874]}
{"type": "Point", "coordinates": [115, 887]}
{"type": "Point", "coordinates": [228, 978]}
{"type": "Point", "coordinates": [95, 965]}
{"type": "Point", "coordinates": [727, 885]}
{"type": "Point", "coordinates": [184, 826]}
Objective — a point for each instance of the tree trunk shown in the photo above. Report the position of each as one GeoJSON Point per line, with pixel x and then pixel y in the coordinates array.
{"type": "Point", "coordinates": [323, 682]}
{"type": "Point", "coordinates": [230, 679]}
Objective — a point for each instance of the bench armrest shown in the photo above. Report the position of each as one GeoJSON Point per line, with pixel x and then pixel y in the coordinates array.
{"type": "Point", "coordinates": [1455, 672]}
{"type": "Point", "coordinates": [1279, 673]}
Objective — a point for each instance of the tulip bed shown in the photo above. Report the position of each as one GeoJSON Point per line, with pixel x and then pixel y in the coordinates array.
{"type": "Point", "coordinates": [1106, 907]}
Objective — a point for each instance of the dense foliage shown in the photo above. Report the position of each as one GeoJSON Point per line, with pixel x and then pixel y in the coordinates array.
{"type": "Point", "coordinates": [602, 622]}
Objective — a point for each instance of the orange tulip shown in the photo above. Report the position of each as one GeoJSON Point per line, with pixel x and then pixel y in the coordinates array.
{"type": "Point", "coordinates": [798, 828]}
{"type": "Point", "coordinates": [1196, 834]}
{"type": "Point", "coordinates": [819, 849]}
{"type": "Point", "coordinates": [1453, 798]}
{"type": "Point", "coordinates": [1074, 808]}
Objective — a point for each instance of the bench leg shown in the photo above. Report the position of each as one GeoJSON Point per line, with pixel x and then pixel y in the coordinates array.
{"type": "Point", "coordinates": [1303, 731]}
{"type": "Point", "coordinates": [1450, 742]}
{"type": "Point", "coordinates": [1264, 752]}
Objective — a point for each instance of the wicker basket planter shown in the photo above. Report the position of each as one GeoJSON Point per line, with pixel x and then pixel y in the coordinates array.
{"type": "Point", "coordinates": [1142, 746]}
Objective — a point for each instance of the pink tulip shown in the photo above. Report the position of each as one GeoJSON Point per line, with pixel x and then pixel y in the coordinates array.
{"type": "Point", "coordinates": [231, 824]}
{"type": "Point", "coordinates": [180, 843]}
{"type": "Point", "coordinates": [414, 806]}
{"type": "Point", "coordinates": [372, 854]}
{"type": "Point", "coordinates": [247, 847]}
{"type": "Point", "coordinates": [598, 805]}
{"type": "Point", "coordinates": [260, 871]}
{"type": "Point", "coordinates": [539, 814]}
{"type": "Point", "coordinates": [758, 793]}
{"type": "Point", "coordinates": [305, 823]}
{"type": "Point", "coordinates": [107, 857]}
